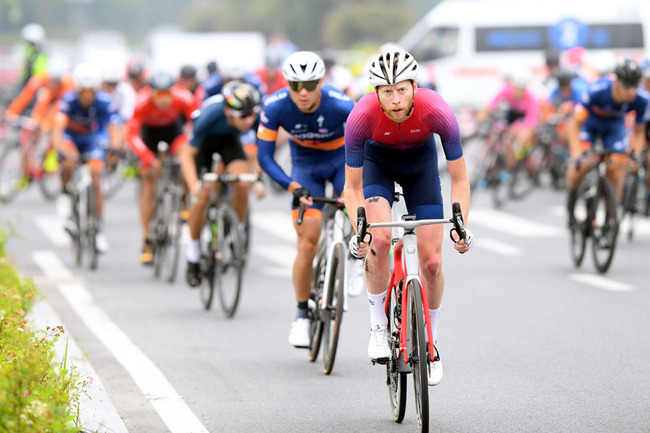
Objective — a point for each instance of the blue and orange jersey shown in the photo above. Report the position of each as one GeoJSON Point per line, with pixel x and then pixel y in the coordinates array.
{"type": "Point", "coordinates": [86, 120]}
{"type": "Point", "coordinates": [430, 115]}
{"type": "Point", "coordinates": [313, 137]}
{"type": "Point", "coordinates": [598, 104]}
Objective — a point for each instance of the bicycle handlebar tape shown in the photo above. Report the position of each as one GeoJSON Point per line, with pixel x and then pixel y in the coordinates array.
{"type": "Point", "coordinates": [457, 219]}
{"type": "Point", "coordinates": [361, 223]}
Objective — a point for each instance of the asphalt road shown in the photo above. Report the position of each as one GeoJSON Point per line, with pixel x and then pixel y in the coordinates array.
{"type": "Point", "coordinates": [529, 343]}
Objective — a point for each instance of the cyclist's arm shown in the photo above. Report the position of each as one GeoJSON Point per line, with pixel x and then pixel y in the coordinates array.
{"type": "Point", "coordinates": [266, 138]}
{"type": "Point", "coordinates": [459, 185]}
{"type": "Point", "coordinates": [23, 99]}
{"type": "Point", "coordinates": [637, 139]}
{"type": "Point", "coordinates": [60, 124]}
{"type": "Point", "coordinates": [188, 168]}
{"type": "Point", "coordinates": [135, 142]}
{"type": "Point", "coordinates": [353, 192]}
{"type": "Point", "coordinates": [574, 124]}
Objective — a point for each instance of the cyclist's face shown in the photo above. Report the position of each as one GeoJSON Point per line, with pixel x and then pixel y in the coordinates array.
{"type": "Point", "coordinates": [622, 93]}
{"type": "Point", "coordinates": [241, 121]}
{"type": "Point", "coordinates": [397, 100]}
{"type": "Point", "coordinates": [86, 97]}
{"type": "Point", "coordinates": [307, 101]}
{"type": "Point", "coordinates": [162, 99]}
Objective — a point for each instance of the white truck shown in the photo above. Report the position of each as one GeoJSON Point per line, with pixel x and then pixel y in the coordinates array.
{"type": "Point", "coordinates": [466, 44]}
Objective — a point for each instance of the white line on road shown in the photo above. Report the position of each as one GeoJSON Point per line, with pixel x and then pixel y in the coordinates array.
{"type": "Point", "coordinates": [511, 224]}
{"type": "Point", "coordinates": [601, 282]}
{"type": "Point", "coordinates": [52, 227]}
{"type": "Point", "coordinates": [499, 247]}
{"type": "Point", "coordinates": [170, 407]}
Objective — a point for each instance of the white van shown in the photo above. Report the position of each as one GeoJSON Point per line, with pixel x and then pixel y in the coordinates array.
{"type": "Point", "coordinates": [467, 43]}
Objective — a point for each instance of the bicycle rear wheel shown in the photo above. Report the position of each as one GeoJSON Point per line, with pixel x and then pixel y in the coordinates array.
{"type": "Point", "coordinates": [173, 238]}
{"type": "Point", "coordinates": [208, 243]}
{"type": "Point", "coordinates": [12, 168]}
{"type": "Point", "coordinates": [395, 376]}
{"type": "Point", "coordinates": [605, 227]}
{"type": "Point", "coordinates": [418, 355]}
{"type": "Point", "coordinates": [159, 229]}
{"type": "Point", "coordinates": [332, 315]}
{"type": "Point", "coordinates": [77, 250]}
{"type": "Point", "coordinates": [92, 223]}
{"type": "Point", "coordinates": [230, 261]}
{"type": "Point", "coordinates": [316, 298]}
{"type": "Point", "coordinates": [581, 226]}
{"type": "Point", "coordinates": [629, 201]}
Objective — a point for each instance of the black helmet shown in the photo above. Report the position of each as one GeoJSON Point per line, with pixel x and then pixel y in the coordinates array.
{"type": "Point", "coordinates": [565, 76]}
{"type": "Point", "coordinates": [161, 80]}
{"type": "Point", "coordinates": [135, 70]}
{"type": "Point", "coordinates": [188, 71]}
{"type": "Point", "coordinates": [241, 96]}
{"type": "Point", "coordinates": [212, 67]}
{"type": "Point", "coordinates": [628, 72]}
{"type": "Point", "coordinates": [552, 57]}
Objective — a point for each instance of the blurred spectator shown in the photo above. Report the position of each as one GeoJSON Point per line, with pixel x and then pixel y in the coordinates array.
{"type": "Point", "coordinates": [337, 75]}
{"type": "Point", "coordinates": [271, 75]}
{"type": "Point", "coordinates": [279, 45]}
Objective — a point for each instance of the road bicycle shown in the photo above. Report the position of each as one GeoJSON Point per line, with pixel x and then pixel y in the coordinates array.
{"type": "Point", "coordinates": [166, 223]}
{"type": "Point", "coordinates": [26, 158]}
{"type": "Point", "coordinates": [84, 219]}
{"type": "Point", "coordinates": [222, 244]}
{"type": "Point", "coordinates": [595, 213]}
{"type": "Point", "coordinates": [120, 166]}
{"type": "Point", "coordinates": [634, 200]}
{"type": "Point", "coordinates": [327, 297]}
{"type": "Point", "coordinates": [407, 309]}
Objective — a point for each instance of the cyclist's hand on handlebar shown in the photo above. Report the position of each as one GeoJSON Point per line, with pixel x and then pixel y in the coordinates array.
{"type": "Point", "coordinates": [359, 251]}
{"type": "Point", "coordinates": [302, 195]}
{"type": "Point", "coordinates": [463, 246]}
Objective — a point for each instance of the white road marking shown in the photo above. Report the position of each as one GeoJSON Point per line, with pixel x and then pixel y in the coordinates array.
{"type": "Point", "coordinates": [499, 247]}
{"type": "Point", "coordinates": [512, 225]}
{"type": "Point", "coordinates": [601, 282]}
{"type": "Point", "coordinates": [170, 407]}
{"type": "Point", "coordinates": [52, 227]}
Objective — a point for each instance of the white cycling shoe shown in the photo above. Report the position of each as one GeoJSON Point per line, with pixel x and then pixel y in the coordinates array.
{"type": "Point", "coordinates": [378, 349]}
{"type": "Point", "coordinates": [299, 333]}
{"type": "Point", "coordinates": [435, 369]}
{"type": "Point", "coordinates": [101, 243]}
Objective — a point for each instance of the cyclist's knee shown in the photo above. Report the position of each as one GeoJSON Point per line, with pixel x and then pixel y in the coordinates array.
{"type": "Point", "coordinates": [432, 266]}
{"type": "Point", "coordinates": [380, 244]}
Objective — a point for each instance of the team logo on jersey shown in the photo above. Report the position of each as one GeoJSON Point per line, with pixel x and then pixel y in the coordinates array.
{"type": "Point", "coordinates": [415, 131]}
{"type": "Point", "coordinates": [320, 121]}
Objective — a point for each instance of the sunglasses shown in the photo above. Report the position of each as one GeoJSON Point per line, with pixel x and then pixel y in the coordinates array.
{"type": "Point", "coordinates": [158, 93]}
{"type": "Point", "coordinates": [244, 114]}
{"type": "Point", "coordinates": [297, 86]}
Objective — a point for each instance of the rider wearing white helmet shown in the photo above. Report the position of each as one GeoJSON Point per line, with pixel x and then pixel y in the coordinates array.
{"type": "Point", "coordinates": [389, 138]}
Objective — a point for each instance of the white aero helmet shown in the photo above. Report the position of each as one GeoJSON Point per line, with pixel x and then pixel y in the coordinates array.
{"type": "Point", "coordinates": [34, 33]}
{"type": "Point", "coordinates": [57, 66]}
{"type": "Point", "coordinates": [392, 67]}
{"type": "Point", "coordinates": [303, 66]}
{"type": "Point", "coordinates": [87, 76]}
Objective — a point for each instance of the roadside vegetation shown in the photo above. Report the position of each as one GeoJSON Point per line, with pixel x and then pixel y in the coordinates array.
{"type": "Point", "coordinates": [37, 392]}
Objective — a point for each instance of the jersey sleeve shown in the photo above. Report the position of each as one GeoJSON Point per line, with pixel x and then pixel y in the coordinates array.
{"type": "Point", "coordinates": [358, 129]}
{"type": "Point", "coordinates": [267, 133]}
{"type": "Point", "coordinates": [202, 125]}
{"type": "Point", "coordinates": [441, 120]}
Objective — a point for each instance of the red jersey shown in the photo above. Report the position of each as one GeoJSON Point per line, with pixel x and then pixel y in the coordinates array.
{"type": "Point", "coordinates": [146, 113]}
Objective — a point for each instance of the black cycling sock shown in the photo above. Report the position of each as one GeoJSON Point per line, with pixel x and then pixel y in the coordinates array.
{"type": "Point", "coordinates": [301, 312]}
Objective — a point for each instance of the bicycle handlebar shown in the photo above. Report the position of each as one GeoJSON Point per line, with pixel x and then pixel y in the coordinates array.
{"type": "Point", "coordinates": [337, 201]}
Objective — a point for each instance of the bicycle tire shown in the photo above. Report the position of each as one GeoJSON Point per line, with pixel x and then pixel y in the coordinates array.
{"type": "Point", "coordinates": [605, 226]}
{"type": "Point", "coordinates": [49, 173]}
{"type": "Point", "coordinates": [316, 296]}
{"type": "Point", "coordinates": [230, 265]}
{"type": "Point", "coordinates": [418, 357]}
{"type": "Point", "coordinates": [162, 215]}
{"type": "Point", "coordinates": [77, 250]}
{"type": "Point", "coordinates": [629, 201]}
{"type": "Point", "coordinates": [580, 229]}
{"type": "Point", "coordinates": [208, 240]}
{"type": "Point", "coordinates": [333, 312]}
{"type": "Point", "coordinates": [395, 377]}
{"type": "Point", "coordinates": [525, 174]}
{"type": "Point", "coordinates": [92, 223]}
{"type": "Point", "coordinates": [497, 181]}
{"type": "Point", "coordinates": [12, 167]}
{"type": "Point", "coordinates": [174, 237]}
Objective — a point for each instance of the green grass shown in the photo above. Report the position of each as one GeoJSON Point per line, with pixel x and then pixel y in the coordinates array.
{"type": "Point", "coordinates": [37, 393]}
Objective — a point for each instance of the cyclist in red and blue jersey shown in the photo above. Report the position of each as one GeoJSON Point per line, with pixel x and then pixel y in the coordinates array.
{"type": "Point", "coordinates": [217, 128]}
{"type": "Point", "coordinates": [388, 139]}
{"type": "Point", "coordinates": [83, 128]}
{"type": "Point", "coordinates": [602, 113]}
{"type": "Point", "coordinates": [314, 116]}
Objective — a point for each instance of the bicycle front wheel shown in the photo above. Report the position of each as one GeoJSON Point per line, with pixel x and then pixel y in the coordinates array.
{"type": "Point", "coordinates": [315, 301]}
{"type": "Point", "coordinates": [49, 178]}
{"type": "Point", "coordinates": [12, 168]}
{"type": "Point", "coordinates": [208, 244]}
{"type": "Point", "coordinates": [92, 223]}
{"type": "Point", "coordinates": [333, 312]}
{"type": "Point", "coordinates": [418, 355]}
{"type": "Point", "coordinates": [605, 227]}
{"type": "Point", "coordinates": [159, 229]}
{"type": "Point", "coordinates": [173, 238]}
{"type": "Point", "coordinates": [395, 376]}
{"type": "Point", "coordinates": [580, 227]}
{"type": "Point", "coordinates": [230, 261]}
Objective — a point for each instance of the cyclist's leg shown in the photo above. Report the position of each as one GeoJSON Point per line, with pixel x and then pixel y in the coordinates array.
{"type": "Point", "coordinates": [148, 177]}
{"type": "Point", "coordinates": [576, 172]}
{"type": "Point", "coordinates": [69, 158]}
{"type": "Point", "coordinates": [617, 141]}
